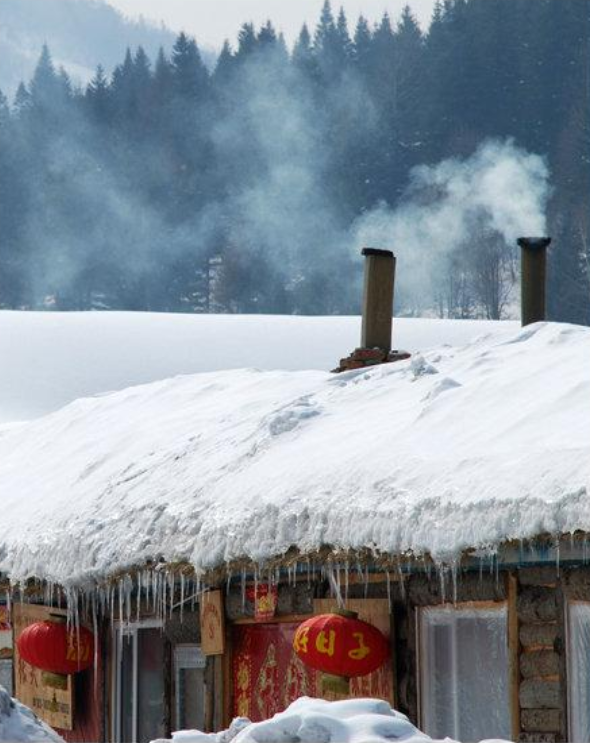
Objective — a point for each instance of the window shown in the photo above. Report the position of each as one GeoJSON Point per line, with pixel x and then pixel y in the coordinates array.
{"type": "Point", "coordinates": [189, 687]}
{"type": "Point", "coordinates": [464, 672]}
{"type": "Point", "coordinates": [139, 683]}
{"type": "Point", "coordinates": [578, 671]}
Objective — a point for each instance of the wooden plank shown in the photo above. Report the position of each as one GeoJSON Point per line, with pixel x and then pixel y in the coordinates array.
{"type": "Point", "coordinates": [53, 706]}
{"type": "Point", "coordinates": [513, 652]}
{"type": "Point", "coordinates": [227, 690]}
{"type": "Point", "coordinates": [212, 617]}
{"type": "Point", "coordinates": [285, 618]}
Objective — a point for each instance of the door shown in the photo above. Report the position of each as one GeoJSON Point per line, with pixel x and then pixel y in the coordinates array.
{"type": "Point", "coordinates": [139, 684]}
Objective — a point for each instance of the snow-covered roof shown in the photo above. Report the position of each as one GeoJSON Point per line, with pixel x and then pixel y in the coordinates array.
{"type": "Point", "coordinates": [461, 447]}
{"type": "Point", "coordinates": [52, 358]}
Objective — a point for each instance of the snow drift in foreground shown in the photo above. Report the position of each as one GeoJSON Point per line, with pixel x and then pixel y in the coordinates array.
{"type": "Point", "coordinates": [317, 721]}
{"type": "Point", "coordinates": [457, 448]}
{"type": "Point", "coordinates": [18, 723]}
{"type": "Point", "coordinates": [52, 358]}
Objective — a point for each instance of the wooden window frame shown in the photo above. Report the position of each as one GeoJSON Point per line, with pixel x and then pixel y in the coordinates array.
{"type": "Point", "coordinates": [512, 647]}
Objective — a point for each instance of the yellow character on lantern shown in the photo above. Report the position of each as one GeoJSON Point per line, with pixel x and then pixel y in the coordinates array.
{"type": "Point", "coordinates": [301, 640]}
{"type": "Point", "coordinates": [361, 651]}
{"type": "Point", "coordinates": [325, 644]}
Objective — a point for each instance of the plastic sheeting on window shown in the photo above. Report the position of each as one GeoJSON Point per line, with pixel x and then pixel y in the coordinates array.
{"type": "Point", "coordinates": [578, 658]}
{"type": "Point", "coordinates": [464, 672]}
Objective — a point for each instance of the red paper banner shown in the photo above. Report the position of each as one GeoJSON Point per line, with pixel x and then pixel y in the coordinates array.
{"type": "Point", "coordinates": [265, 598]}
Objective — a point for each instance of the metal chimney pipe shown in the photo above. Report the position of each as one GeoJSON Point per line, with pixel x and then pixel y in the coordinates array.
{"type": "Point", "coordinates": [533, 279]}
{"type": "Point", "coordinates": [378, 299]}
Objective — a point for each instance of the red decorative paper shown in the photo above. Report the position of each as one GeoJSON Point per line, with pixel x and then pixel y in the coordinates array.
{"type": "Point", "coordinates": [265, 598]}
{"type": "Point", "coordinates": [267, 674]}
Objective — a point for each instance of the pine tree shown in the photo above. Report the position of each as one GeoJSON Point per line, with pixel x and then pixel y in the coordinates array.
{"type": "Point", "coordinates": [45, 86]}
{"type": "Point", "coordinates": [246, 41]}
{"type": "Point", "coordinates": [4, 111]}
{"type": "Point", "coordinates": [190, 75]}
{"type": "Point", "coordinates": [362, 47]}
{"type": "Point", "coordinates": [224, 67]}
{"type": "Point", "coordinates": [303, 56]}
{"type": "Point", "coordinates": [97, 96]}
{"type": "Point", "coordinates": [22, 100]}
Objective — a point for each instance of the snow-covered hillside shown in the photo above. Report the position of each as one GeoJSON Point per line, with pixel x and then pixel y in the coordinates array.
{"type": "Point", "coordinates": [459, 447]}
{"type": "Point", "coordinates": [50, 359]}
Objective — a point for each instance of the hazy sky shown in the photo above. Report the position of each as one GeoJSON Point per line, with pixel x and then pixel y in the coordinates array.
{"type": "Point", "coordinates": [211, 21]}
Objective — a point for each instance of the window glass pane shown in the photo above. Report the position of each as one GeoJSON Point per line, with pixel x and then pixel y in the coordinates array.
{"type": "Point", "coordinates": [190, 689]}
{"type": "Point", "coordinates": [150, 683]}
{"type": "Point", "coordinates": [578, 656]}
{"type": "Point", "coordinates": [465, 673]}
{"type": "Point", "coordinates": [190, 664]}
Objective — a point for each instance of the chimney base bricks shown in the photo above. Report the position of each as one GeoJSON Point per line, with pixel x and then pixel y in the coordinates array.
{"type": "Point", "coordinates": [364, 357]}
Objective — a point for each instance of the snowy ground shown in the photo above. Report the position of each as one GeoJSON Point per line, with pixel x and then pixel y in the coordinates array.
{"type": "Point", "coordinates": [459, 447]}
{"type": "Point", "coordinates": [317, 721]}
{"type": "Point", "coordinates": [18, 724]}
{"type": "Point", "coordinates": [52, 358]}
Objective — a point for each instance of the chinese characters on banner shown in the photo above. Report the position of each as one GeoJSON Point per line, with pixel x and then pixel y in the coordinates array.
{"type": "Point", "coordinates": [53, 706]}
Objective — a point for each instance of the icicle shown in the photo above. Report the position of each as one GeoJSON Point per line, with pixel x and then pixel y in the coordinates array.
{"type": "Point", "coordinates": [243, 590]}
{"type": "Point", "coordinates": [181, 596]}
{"type": "Point", "coordinates": [112, 608]}
{"type": "Point", "coordinates": [388, 589]}
{"type": "Point", "coordinates": [454, 579]}
{"type": "Point", "coordinates": [194, 594]}
{"type": "Point", "coordinates": [346, 577]}
{"type": "Point", "coordinates": [441, 575]}
{"type": "Point", "coordinates": [402, 583]}
{"type": "Point", "coordinates": [138, 599]}
{"type": "Point", "coordinates": [335, 587]}
{"type": "Point", "coordinates": [128, 585]}
{"type": "Point", "coordinates": [366, 578]}
{"type": "Point", "coordinates": [95, 635]}
{"type": "Point", "coordinates": [228, 583]}
{"type": "Point", "coordinates": [121, 602]}
{"type": "Point", "coordinates": [557, 556]}
{"type": "Point", "coordinates": [172, 583]}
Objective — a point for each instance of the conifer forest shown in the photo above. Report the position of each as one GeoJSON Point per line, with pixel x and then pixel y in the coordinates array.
{"type": "Point", "coordinates": [172, 185]}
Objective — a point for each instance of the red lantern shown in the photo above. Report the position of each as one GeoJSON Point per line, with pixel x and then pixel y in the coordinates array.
{"type": "Point", "coordinates": [340, 645]}
{"type": "Point", "coordinates": [51, 647]}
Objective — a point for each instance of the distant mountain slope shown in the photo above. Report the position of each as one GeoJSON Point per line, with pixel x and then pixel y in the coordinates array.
{"type": "Point", "coordinates": [80, 34]}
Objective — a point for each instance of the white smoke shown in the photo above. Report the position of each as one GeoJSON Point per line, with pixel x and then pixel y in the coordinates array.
{"type": "Point", "coordinates": [500, 190]}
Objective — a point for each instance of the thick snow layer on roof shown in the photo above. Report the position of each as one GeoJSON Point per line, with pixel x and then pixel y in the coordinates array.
{"type": "Point", "coordinates": [19, 725]}
{"type": "Point", "coordinates": [459, 447]}
{"type": "Point", "coordinates": [52, 358]}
